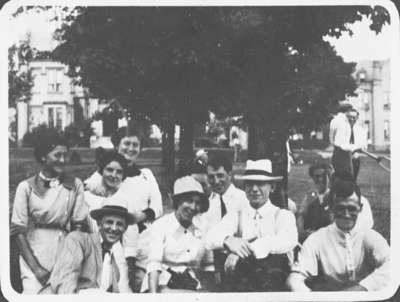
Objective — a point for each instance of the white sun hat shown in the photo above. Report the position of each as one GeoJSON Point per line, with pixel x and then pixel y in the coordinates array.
{"type": "Point", "coordinates": [187, 184]}
{"type": "Point", "coordinates": [259, 170]}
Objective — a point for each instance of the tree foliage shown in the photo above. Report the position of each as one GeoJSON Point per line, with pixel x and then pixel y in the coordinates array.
{"type": "Point", "coordinates": [20, 80]}
{"type": "Point", "coordinates": [175, 64]}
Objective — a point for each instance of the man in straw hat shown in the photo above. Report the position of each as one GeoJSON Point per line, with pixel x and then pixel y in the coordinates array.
{"type": "Point", "coordinates": [88, 261]}
{"type": "Point", "coordinates": [258, 238]}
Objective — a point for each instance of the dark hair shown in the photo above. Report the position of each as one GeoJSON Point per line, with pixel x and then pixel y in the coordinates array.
{"type": "Point", "coordinates": [46, 143]}
{"type": "Point", "coordinates": [122, 132]}
{"type": "Point", "coordinates": [110, 156]}
{"type": "Point", "coordinates": [193, 167]}
{"type": "Point", "coordinates": [220, 161]}
{"type": "Point", "coordinates": [343, 188]}
{"type": "Point", "coordinates": [324, 166]}
{"type": "Point", "coordinates": [352, 109]}
{"type": "Point", "coordinates": [343, 175]}
{"type": "Point", "coordinates": [345, 107]}
{"type": "Point", "coordinates": [177, 200]}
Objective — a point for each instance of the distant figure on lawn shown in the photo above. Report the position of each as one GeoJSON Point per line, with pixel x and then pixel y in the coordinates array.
{"type": "Point", "coordinates": [258, 239]}
{"type": "Point", "coordinates": [340, 256]}
{"type": "Point", "coordinates": [87, 262]}
{"type": "Point", "coordinates": [46, 208]}
{"type": "Point", "coordinates": [348, 138]}
{"type": "Point", "coordinates": [314, 211]}
{"type": "Point", "coordinates": [141, 191]}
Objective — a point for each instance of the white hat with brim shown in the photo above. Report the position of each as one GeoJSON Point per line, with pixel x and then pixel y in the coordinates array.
{"type": "Point", "coordinates": [187, 185]}
{"type": "Point", "coordinates": [259, 170]}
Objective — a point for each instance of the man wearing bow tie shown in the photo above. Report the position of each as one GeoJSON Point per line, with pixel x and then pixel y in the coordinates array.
{"type": "Point", "coordinates": [94, 261]}
{"type": "Point", "coordinates": [259, 237]}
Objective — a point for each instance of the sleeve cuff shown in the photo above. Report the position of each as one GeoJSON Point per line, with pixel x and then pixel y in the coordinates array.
{"type": "Point", "coordinates": [16, 229]}
{"type": "Point", "coordinates": [150, 214]}
{"type": "Point", "coordinates": [259, 249]}
{"type": "Point", "coordinates": [154, 266]}
{"type": "Point", "coordinates": [130, 252]}
{"type": "Point", "coordinates": [368, 284]}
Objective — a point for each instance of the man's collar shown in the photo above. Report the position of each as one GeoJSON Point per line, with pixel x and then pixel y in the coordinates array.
{"type": "Point", "coordinates": [228, 192]}
{"type": "Point", "coordinates": [66, 180]}
{"type": "Point", "coordinates": [342, 233]}
{"type": "Point", "coordinates": [263, 210]}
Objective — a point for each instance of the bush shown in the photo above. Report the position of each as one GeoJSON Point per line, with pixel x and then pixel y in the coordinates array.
{"type": "Point", "coordinates": [205, 142]}
{"type": "Point", "coordinates": [30, 138]}
{"type": "Point", "coordinates": [77, 135]}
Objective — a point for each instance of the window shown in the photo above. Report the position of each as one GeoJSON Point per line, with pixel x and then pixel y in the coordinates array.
{"type": "Point", "coordinates": [54, 77]}
{"type": "Point", "coordinates": [55, 117]}
{"type": "Point", "coordinates": [51, 117]}
{"type": "Point", "coordinates": [386, 130]}
{"type": "Point", "coordinates": [365, 101]}
{"type": "Point", "coordinates": [386, 101]}
{"type": "Point", "coordinates": [367, 126]}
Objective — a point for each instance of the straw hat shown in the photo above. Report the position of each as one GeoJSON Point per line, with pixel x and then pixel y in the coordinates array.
{"type": "Point", "coordinates": [259, 170]}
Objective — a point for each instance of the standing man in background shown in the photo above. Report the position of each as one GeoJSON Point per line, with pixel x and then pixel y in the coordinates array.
{"type": "Point", "coordinates": [348, 138]}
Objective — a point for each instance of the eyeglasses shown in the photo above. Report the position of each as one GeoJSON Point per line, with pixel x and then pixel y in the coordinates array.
{"type": "Point", "coordinates": [342, 209]}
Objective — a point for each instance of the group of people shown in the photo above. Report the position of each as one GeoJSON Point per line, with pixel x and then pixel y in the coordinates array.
{"type": "Point", "coordinates": [110, 234]}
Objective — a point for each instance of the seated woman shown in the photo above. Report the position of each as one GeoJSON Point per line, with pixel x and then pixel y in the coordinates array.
{"type": "Point", "coordinates": [46, 207]}
{"type": "Point", "coordinates": [113, 169]}
{"type": "Point", "coordinates": [142, 194]}
{"type": "Point", "coordinates": [177, 246]}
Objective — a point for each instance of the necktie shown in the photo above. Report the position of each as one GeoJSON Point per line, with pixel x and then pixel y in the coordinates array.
{"type": "Point", "coordinates": [350, 267]}
{"type": "Point", "coordinates": [257, 224]}
{"type": "Point", "coordinates": [223, 207]}
{"type": "Point", "coordinates": [106, 272]}
{"type": "Point", "coordinates": [352, 135]}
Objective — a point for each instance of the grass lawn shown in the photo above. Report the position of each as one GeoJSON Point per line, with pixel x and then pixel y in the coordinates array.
{"type": "Point", "coordinates": [373, 180]}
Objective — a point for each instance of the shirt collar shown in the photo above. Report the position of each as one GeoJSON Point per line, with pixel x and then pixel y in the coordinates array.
{"type": "Point", "coordinates": [353, 232]}
{"type": "Point", "coordinates": [229, 191]}
{"type": "Point", "coordinates": [263, 210]}
{"type": "Point", "coordinates": [175, 225]}
{"type": "Point", "coordinates": [66, 180]}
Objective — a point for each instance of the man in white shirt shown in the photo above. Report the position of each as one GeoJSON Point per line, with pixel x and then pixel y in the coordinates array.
{"type": "Point", "coordinates": [255, 235]}
{"type": "Point", "coordinates": [341, 256]}
{"type": "Point", "coordinates": [338, 120]}
{"type": "Point", "coordinates": [315, 213]}
{"type": "Point", "coordinates": [349, 138]}
{"type": "Point", "coordinates": [224, 198]}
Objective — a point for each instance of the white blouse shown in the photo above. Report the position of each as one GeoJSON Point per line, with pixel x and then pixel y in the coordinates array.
{"type": "Point", "coordinates": [173, 246]}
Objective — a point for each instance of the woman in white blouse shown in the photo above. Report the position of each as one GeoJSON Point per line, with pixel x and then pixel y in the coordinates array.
{"type": "Point", "coordinates": [142, 194]}
{"type": "Point", "coordinates": [177, 244]}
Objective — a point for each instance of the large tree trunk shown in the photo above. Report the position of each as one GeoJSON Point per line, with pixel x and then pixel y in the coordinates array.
{"type": "Point", "coordinates": [268, 140]}
{"type": "Point", "coordinates": [168, 147]}
{"type": "Point", "coordinates": [186, 142]}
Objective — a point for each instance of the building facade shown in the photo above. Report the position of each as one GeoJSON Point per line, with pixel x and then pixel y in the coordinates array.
{"type": "Point", "coordinates": [373, 101]}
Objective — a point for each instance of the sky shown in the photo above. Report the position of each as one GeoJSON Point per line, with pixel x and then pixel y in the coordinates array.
{"type": "Point", "coordinates": [363, 45]}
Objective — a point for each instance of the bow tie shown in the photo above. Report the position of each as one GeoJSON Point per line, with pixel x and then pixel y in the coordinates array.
{"type": "Point", "coordinates": [49, 182]}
